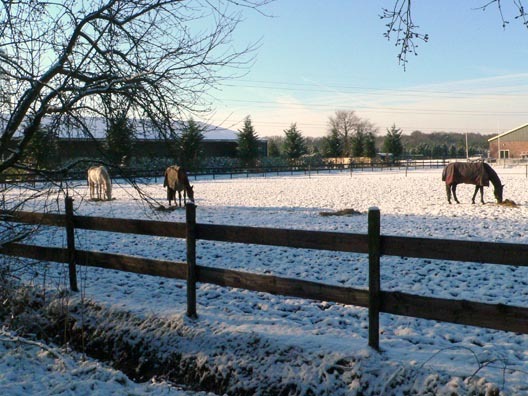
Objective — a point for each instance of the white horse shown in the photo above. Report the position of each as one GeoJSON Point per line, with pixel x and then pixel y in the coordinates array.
{"type": "Point", "coordinates": [99, 182]}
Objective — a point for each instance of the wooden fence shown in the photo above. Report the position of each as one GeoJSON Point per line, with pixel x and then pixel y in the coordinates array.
{"type": "Point", "coordinates": [138, 173]}
{"type": "Point", "coordinates": [494, 316]}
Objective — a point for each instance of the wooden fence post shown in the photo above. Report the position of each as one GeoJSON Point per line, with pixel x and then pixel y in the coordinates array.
{"type": "Point", "coordinates": [190, 212]}
{"type": "Point", "coordinates": [70, 240]}
{"type": "Point", "coordinates": [374, 275]}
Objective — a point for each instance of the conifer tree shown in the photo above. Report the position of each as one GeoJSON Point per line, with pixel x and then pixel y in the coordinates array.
{"type": "Point", "coordinates": [42, 151]}
{"type": "Point", "coordinates": [119, 138]}
{"type": "Point", "coordinates": [392, 143]}
{"type": "Point", "coordinates": [247, 144]}
{"type": "Point", "coordinates": [333, 144]}
{"type": "Point", "coordinates": [294, 144]}
{"type": "Point", "coordinates": [190, 145]}
{"type": "Point", "coordinates": [273, 148]}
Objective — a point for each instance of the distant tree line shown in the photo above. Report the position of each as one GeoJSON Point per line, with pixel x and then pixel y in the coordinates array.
{"type": "Point", "coordinates": [348, 136]}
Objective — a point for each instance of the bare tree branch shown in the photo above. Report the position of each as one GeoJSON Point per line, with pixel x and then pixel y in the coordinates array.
{"type": "Point", "coordinates": [404, 32]}
{"type": "Point", "coordinates": [63, 57]}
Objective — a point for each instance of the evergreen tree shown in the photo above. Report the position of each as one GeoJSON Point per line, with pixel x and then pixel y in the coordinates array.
{"type": "Point", "coordinates": [333, 144]}
{"type": "Point", "coordinates": [294, 144]}
{"type": "Point", "coordinates": [370, 145]}
{"type": "Point", "coordinates": [119, 138]}
{"type": "Point", "coordinates": [273, 148]}
{"type": "Point", "coordinates": [392, 142]}
{"type": "Point", "coordinates": [424, 149]}
{"type": "Point", "coordinates": [247, 144]}
{"type": "Point", "coordinates": [42, 151]}
{"type": "Point", "coordinates": [358, 144]}
{"type": "Point", "coordinates": [190, 145]}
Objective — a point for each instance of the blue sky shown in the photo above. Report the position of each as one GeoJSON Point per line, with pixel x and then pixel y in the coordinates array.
{"type": "Point", "coordinates": [319, 56]}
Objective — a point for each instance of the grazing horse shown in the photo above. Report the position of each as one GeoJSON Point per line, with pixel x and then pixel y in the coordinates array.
{"type": "Point", "coordinates": [478, 173]}
{"type": "Point", "coordinates": [99, 182]}
{"type": "Point", "coordinates": [176, 180]}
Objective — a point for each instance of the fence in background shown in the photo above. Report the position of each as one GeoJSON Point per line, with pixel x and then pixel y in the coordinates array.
{"type": "Point", "coordinates": [138, 173]}
{"type": "Point", "coordinates": [495, 316]}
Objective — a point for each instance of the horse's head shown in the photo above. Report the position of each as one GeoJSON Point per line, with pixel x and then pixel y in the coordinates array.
{"type": "Point", "coordinates": [190, 193]}
{"type": "Point", "coordinates": [498, 193]}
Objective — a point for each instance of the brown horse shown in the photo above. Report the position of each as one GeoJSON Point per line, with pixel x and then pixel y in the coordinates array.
{"type": "Point", "coordinates": [478, 173]}
{"type": "Point", "coordinates": [176, 180]}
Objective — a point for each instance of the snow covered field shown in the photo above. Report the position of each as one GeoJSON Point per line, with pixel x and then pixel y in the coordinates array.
{"type": "Point", "coordinates": [321, 347]}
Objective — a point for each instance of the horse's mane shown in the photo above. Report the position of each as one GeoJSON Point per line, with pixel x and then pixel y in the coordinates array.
{"type": "Point", "coordinates": [493, 176]}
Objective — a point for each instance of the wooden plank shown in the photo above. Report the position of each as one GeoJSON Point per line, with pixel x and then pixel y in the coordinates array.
{"type": "Point", "coordinates": [131, 226]}
{"type": "Point", "coordinates": [138, 265]}
{"type": "Point", "coordinates": [493, 316]}
{"type": "Point", "coordinates": [283, 286]}
{"type": "Point", "coordinates": [51, 219]}
{"type": "Point", "coordinates": [36, 252]}
{"type": "Point", "coordinates": [454, 250]}
{"type": "Point", "coordinates": [335, 241]}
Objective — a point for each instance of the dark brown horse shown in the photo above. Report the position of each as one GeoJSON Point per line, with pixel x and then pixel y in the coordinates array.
{"type": "Point", "coordinates": [478, 173]}
{"type": "Point", "coordinates": [176, 180]}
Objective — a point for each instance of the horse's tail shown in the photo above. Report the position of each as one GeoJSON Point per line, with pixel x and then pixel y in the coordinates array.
{"type": "Point", "coordinates": [109, 189]}
{"type": "Point", "coordinates": [165, 181]}
{"type": "Point", "coordinates": [444, 173]}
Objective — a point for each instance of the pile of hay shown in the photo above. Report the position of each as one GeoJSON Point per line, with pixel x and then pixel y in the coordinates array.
{"type": "Point", "coordinates": [342, 212]}
{"type": "Point", "coordinates": [509, 203]}
{"type": "Point", "coordinates": [163, 208]}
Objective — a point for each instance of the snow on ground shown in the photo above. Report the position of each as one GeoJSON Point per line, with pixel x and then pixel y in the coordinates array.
{"type": "Point", "coordinates": [31, 368]}
{"type": "Point", "coordinates": [411, 204]}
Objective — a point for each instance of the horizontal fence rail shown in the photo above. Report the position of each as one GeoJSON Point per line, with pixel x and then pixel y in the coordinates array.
{"type": "Point", "coordinates": [158, 172]}
{"type": "Point", "coordinates": [495, 316]}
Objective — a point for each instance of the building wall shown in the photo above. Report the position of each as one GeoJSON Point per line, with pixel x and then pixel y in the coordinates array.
{"type": "Point", "coordinates": [516, 143]}
{"type": "Point", "coordinates": [89, 148]}
{"type": "Point", "coordinates": [516, 149]}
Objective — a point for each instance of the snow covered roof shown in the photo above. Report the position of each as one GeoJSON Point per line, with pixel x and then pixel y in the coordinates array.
{"type": "Point", "coordinates": [507, 132]}
{"type": "Point", "coordinates": [144, 130]}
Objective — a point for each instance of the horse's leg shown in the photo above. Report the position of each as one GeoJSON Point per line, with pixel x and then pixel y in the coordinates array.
{"type": "Point", "coordinates": [474, 194]}
{"type": "Point", "coordinates": [482, 194]}
{"type": "Point", "coordinates": [179, 198]}
{"type": "Point", "coordinates": [453, 187]}
{"type": "Point", "coordinates": [448, 191]}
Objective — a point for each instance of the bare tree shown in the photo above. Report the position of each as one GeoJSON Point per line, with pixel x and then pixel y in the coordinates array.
{"type": "Point", "coordinates": [63, 58]}
{"type": "Point", "coordinates": [60, 61]}
{"type": "Point", "coordinates": [345, 122]}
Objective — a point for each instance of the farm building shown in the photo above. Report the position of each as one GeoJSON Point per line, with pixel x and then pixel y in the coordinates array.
{"type": "Point", "coordinates": [510, 145]}
{"type": "Point", "coordinates": [74, 143]}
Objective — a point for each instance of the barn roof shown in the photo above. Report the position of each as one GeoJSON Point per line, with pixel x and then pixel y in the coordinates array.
{"type": "Point", "coordinates": [144, 130]}
{"type": "Point", "coordinates": [508, 132]}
